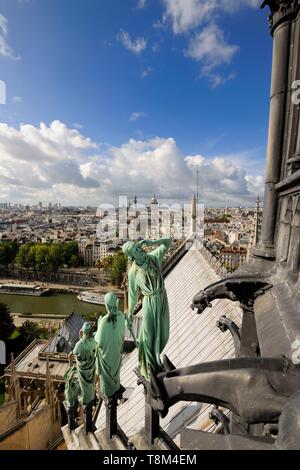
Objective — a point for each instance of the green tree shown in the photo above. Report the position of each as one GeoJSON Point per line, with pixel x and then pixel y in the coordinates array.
{"type": "Point", "coordinates": [119, 266]}
{"type": "Point", "coordinates": [8, 252]}
{"type": "Point", "coordinates": [41, 255]}
{"type": "Point", "coordinates": [98, 264]}
{"type": "Point", "coordinates": [70, 250]}
{"type": "Point", "coordinates": [74, 261]}
{"type": "Point", "coordinates": [29, 331]}
{"type": "Point", "coordinates": [107, 264]}
{"type": "Point", "coordinates": [55, 258]}
{"type": "Point", "coordinates": [32, 257]}
{"type": "Point", "coordinates": [23, 258]}
{"type": "Point", "coordinates": [6, 323]}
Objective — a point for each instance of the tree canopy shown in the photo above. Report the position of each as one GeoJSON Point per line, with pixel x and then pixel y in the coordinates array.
{"type": "Point", "coordinates": [6, 323]}
{"type": "Point", "coordinates": [8, 252]}
{"type": "Point", "coordinates": [48, 256]}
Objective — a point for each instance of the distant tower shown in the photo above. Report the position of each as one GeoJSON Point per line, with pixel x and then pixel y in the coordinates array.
{"type": "Point", "coordinates": [256, 222]}
{"type": "Point", "coordinates": [135, 200]}
{"type": "Point", "coordinates": [256, 229]}
{"type": "Point", "coordinates": [194, 216]}
{"type": "Point", "coordinates": [154, 201]}
{"type": "Point", "coordinates": [153, 227]}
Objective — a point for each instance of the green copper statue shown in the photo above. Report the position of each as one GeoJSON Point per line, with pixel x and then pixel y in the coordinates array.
{"type": "Point", "coordinates": [72, 391]}
{"type": "Point", "coordinates": [145, 275]}
{"type": "Point", "coordinates": [84, 353]}
{"type": "Point", "coordinates": [80, 380]}
{"type": "Point", "coordinates": [72, 388]}
{"type": "Point", "coordinates": [110, 339]}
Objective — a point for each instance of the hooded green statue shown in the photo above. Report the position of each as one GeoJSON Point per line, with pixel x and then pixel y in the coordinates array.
{"type": "Point", "coordinates": [145, 275]}
{"type": "Point", "coordinates": [72, 388]}
{"type": "Point", "coordinates": [84, 352]}
{"type": "Point", "coordinates": [110, 339]}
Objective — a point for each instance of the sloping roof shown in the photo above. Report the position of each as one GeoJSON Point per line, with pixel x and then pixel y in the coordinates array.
{"type": "Point", "coordinates": [193, 339]}
{"type": "Point", "coordinates": [66, 338]}
{"type": "Point", "coordinates": [29, 365]}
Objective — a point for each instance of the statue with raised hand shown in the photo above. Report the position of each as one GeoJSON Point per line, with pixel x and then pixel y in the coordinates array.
{"type": "Point", "coordinates": [110, 340]}
{"type": "Point", "coordinates": [145, 276]}
{"type": "Point", "coordinates": [84, 352]}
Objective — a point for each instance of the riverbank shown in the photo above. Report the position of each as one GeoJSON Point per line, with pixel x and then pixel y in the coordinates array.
{"type": "Point", "coordinates": [55, 304]}
{"type": "Point", "coordinates": [65, 288]}
{"type": "Point", "coordinates": [42, 320]}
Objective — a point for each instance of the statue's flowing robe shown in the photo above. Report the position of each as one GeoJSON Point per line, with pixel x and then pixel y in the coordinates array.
{"type": "Point", "coordinates": [72, 388]}
{"type": "Point", "coordinates": [155, 310]}
{"type": "Point", "coordinates": [84, 352]}
{"type": "Point", "coordinates": [110, 339]}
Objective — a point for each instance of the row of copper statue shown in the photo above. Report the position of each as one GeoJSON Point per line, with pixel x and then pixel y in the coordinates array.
{"type": "Point", "coordinates": [255, 389]}
{"type": "Point", "coordinates": [99, 354]}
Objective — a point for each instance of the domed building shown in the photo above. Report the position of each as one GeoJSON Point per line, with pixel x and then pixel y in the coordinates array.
{"type": "Point", "coordinates": [154, 201]}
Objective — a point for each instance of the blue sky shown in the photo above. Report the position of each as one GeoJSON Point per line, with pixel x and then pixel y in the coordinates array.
{"type": "Point", "coordinates": [134, 94]}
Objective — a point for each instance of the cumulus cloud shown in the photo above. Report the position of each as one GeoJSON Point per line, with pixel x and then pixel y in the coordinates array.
{"type": "Point", "coordinates": [134, 45]}
{"type": "Point", "coordinates": [5, 49]}
{"type": "Point", "coordinates": [39, 157]}
{"type": "Point", "coordinates": [58, 163]}
{"type": "Point", "coordinates": [185, 15]}
{"type": "Point", "coordinates": [208, 46]}
{"type": "Point", "coordinates": [256, 184]}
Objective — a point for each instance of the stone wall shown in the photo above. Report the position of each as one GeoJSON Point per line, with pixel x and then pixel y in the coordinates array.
{"type": "Point", "coordinates": [63, 276]}
{"type": "Point", "coordinates": [8, 416]}
{"type": "Point", "coordinates": [35, 433]}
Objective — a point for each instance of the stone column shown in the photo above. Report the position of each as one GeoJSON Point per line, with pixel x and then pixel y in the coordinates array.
{"type": "Point", "coordinates": [283, 13]}
{"type": "Point", "coordinates": [281, 47]}
{"type": "Point", "coordinates": [294, 254]}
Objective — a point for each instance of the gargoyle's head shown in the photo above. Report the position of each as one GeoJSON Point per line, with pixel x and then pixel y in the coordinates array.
{"type": "Point", "coordinates": [200, 302]}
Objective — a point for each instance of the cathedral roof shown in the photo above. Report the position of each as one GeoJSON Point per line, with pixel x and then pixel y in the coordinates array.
{"type": "Point", "coordinates": [193, 339]}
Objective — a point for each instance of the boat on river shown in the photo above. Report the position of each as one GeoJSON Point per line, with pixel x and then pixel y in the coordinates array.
{"type": "Point", "coordinates": [24, 289]}
{"type": "Point", "coordinates": [91, 298]}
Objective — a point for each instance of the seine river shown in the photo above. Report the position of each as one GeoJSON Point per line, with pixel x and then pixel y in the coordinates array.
{"type": "Point", "coordinates": [60, 304]}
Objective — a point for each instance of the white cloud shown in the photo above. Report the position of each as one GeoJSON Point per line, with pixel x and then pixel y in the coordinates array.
{"type": "Point", "coordinates": [40, 157]}
{"type": "Point", "coordinates": [146, 72]}
{"type": "Point", "coordinates": [141, 4]}
{"type": "Point", "coordinates": [137, 115]}
{"type": "Point", "coordinates": [5, 49]}
{"type": "Point", "coordinates": [17, 99]}
{"type": "Point", "coordinates": [217, 80]}
{"type": "Point", "coordinates": [3, 25]}
{"type": "Point", "coordinates": [256, 184]}
{"type": "Point", "coordinates": [209, 47]}
{"type": "Point", "coordinates": [134, 45]}
{"type": "Point", "coordinates": [58, 163]}
{"type": "Point", "coordinates": [188, 14]}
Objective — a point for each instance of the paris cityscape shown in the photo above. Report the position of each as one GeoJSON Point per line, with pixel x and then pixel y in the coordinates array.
{"type": "Point", "coordinates": [149, 228]}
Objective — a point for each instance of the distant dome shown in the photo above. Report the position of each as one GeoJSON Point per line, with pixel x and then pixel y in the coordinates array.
{"type": "Point", "coordinates": [154, 200]}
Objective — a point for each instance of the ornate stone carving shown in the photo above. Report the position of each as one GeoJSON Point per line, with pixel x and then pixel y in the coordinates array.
{"type": "Point", "coordinates": [242, 289]}
{"type": "Point", "coordinates": [279, 9]}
